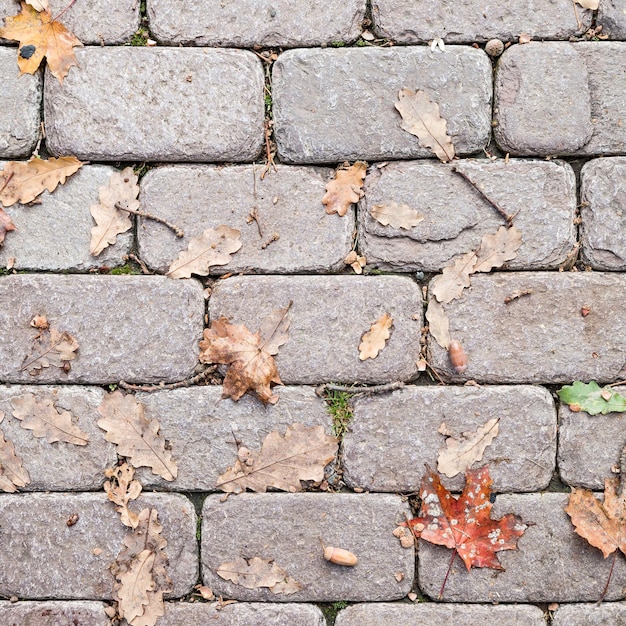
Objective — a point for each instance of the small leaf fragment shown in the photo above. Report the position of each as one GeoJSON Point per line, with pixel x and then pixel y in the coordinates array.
{"type": "Point", "coordinates": [121, 488]}
{"type": "Point", "coordinates": [345, 189]}
{"type": "Point", "coordinates": [591, 398]}
{"type": "Point", "coordinates": [39, 5]}
{"type": "Point", "coordinates": [396, 215]}
{"type": "Point", "coordinates": [12, 472]}
{"type": "Point", "coordinates": [438, 323]}
{"type": "Point", "coordinates": [50, 348]}
{"type": "Point", "coordinates": [589, 4]}
{"type": "Point", "coordinates": [375, 339]}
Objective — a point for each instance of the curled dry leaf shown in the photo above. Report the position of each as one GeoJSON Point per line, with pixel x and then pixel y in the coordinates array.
{"type": "Point", "coordinates": [282, 462]}
{"type": "Point", "coordinates": [41, 416]}
{"type": "Point", "coordinates": [374, 340]}
{"type": "Point", "coordinates": [50, 347]}
{"type": "Point", "coordinates": [256, 572]}
{"type": "Point", "coordinates": [421, 117]}
{"type": "Point", "coordinates": [214, 247]}
{"type": "Point", "coordinates": [40, 36]}
{"type": "Point", "coordinates": [110, 221]}
{"type": "Point", "coordinates": [460, 454]}
{"type": "Point", "coordinates": [396, 215]}
{"type": "Point", "coordinates": [121, 489]}
{"type": "Point", "coordinates": [136, 437]}
{"type": "Point", "coordinates": [345, 189]}
{"type": "Point", "coordinates": [438, 323]}
{"type": "Point", "coordinates": [407, 540]}
{"type": "Point", "coordinates": [23, 181]}
{"type": "Point", "coordinates": [356, 262]}
{"type": "Point", "coordinates": [12, 472]}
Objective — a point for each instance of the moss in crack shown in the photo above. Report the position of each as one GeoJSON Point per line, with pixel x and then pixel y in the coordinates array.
{"type": "Point", "coordinates": [340, 409]}
{"type": "Point", "coordinates": [331, 610]}
{"type": "Point", "coordinates": [129, 268]}
{"type": "Point", "coordinates": [142, 34]}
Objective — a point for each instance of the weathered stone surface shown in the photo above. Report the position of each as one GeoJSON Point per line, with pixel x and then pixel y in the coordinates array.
{"type": "Point", "coordinates": [53, 613]}
{"type": "Point", "coordinates": [543, 99]}
{"type": "Point", "coordinates": [541, 195]}
{"type": "Point", "coordinates": [287, 202]}
{"type": "Point", "coordinates": [407, 21]}
{"type": "Point", "coordinates": [135, 328]}
{"type": "Point", "coordinates": [589, 446]}
{"type": "Point", "coordinates": [552, 563]}
{"type": "Point", "coordinates": [127, 103]}
{"type": "Point", "coordinates": [541, 337]}
{"type": "Point", "coordinates": [603, 195]}
{"type": "Point", "coordinates": [99, 22]}
{"type": "Point", "coordinates": [19, 115]}
{"type": "Point", "coordinates": [247, 23]}
{"type": "Point", "coordinates": [405, 425]}
{"type": "Point", "coordinates": [287, 528]}
{"type": "Point", "coordinates": [358, 120]}
{"type": "Point", "coordinates": [54, 235]}
{"type": "Point", "coordinates": [424, 614]}
{"type": "Point", "coordinates": [605, 614]}
{"type": "Point", "coordinates": [612, 18]}
{"type": "Point", "coordinates": [242, 614]}
{"type": "Point", "coordinates": [200, 425]}
{"type": "Point", "coordinates": [60, 466]}
{"type": "Point", "coordinates": [328, 317]}
{"type": "Point", "coordinates": [43, 557]}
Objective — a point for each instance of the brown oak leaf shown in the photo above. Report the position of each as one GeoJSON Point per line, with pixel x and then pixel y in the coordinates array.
{"type": "Point", "coordinates": [375, 339]}
{"type": "Point", "coordinates": [12, 472]}
{"type": "Point", "coordinates": [345, 189]}
{"type": "Point", "coordinates": [50, 347]}
{"type": "Point", "coordinates": [497, 248]}
{"type": "Point", "coordinates": [396, 215]}
{"type": "Point", "coordinates": [256, 572]}
{"type": "Point", "coordinates": [438, 323]}
{"type": "Point", "coordinates": [121, 489]}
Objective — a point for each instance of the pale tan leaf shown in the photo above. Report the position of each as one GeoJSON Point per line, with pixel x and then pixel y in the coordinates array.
{"type": "Point", "coordinates": [152, 611]}
{"type": "Point", "coordinates": [40, 416]}
{"type": "Point", "coordinates": [110, 221]}
{"type": "Point", "coordinates": [214, 247]}
{"type": "Point", "coordinates": [498, 248]}
{"type": "Point", "coordinates": [274, 330]}
{"type": "Point", "coordinates": [121, 489]}
{"type": "Point", "coordinates": [589, 4]}
{"type": "Point", "coordinates": [282, 462]}
{"type": "Point", "coordinates": [256, 572]}
{"type": "Point", "coordinates": [39, 5]}
{"type": "Point", "coordinates": [134, 585]}
{"type": "Point", "coordinates": [396, 215]}
{"type": "Point", "coordinates": [375, 339]}
{"type": "Point", "coordinates": [288, 586]}
{"type": "Point", "coordinates": [136, 437]}
{"type": "Point", "coordinates": [421, 117]}
{"type": "Point", "coordinates": [23, 181]}
{"type": "Point", "coordinates": [345, 189]}
{"type": "Point", "coordinates": [460, 454]}
{"type": "Point", "coordinates": [456, 277]}
{"type": "Point", "coordinates": [50, 347]}
{"type": "Point", "coordinates": [438, 323]}
{"type": "Point", "coordinates": [12, 472]}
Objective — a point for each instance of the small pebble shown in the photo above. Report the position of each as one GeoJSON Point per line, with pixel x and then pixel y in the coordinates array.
{"type": "Point", "coordinates": [494, 48]}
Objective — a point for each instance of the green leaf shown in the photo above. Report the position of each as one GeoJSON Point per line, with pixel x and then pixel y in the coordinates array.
{"type": "Point", "coordinates": [592, 398]}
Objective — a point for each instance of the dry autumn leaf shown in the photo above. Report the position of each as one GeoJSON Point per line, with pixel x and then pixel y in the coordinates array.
{"type": "Point", "coordinates": [40, 416]}
{"type": "Point", "coordinates": [121, 489]}
{"type": "Point", "coordinates": [345, 189]}
{"type": "Point", "coordinates": [256, 572]}
{"type": "Point", "coordinates": [249, 355]}
{"type": "Point", "coordinates": [136, 437]}
{"type": "Point", "coordinates": [282, 462]}
{"type": "Point", "coordinates": [12, 473]}
{"type": "Point", "coordinates": [40, 36]}
{"type": "Point", "coordinates": [438, 323]}
{"type": "Point", "coordinates": [421, 117]}
{"type": "Point", "coordinates": [498, 248]}
{"type": "Point", "coordinates": [6, 225]}
{"type": "Point", "coordinates": [110, 221]}
{"type": "Point", "coordinates": [214, 247]}
{"type": "Point", "coordinates": [589, 4]}
{"type": "Point", "coordinates": [396, 215]}
{"type": "Point", "coordinates": [50, 347]}
{"type": "Point", "coordinates": [375, 339]}
{"type": "Point", "coordinates": [460, 454]}
{"type": "Point", "coordinates": [356, 262]}
{"type": "Point", "coordinates": [39, 5]}
{"type": "Point", "coordinates": [23, 181]}
{"type": "Point", "coordinates": [454, 278]}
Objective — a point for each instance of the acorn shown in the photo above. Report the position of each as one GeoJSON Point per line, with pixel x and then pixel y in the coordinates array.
{"type": "Point", "coordinates": [457, 355]}
{"type": "Point", "coordinates": [339, 556]}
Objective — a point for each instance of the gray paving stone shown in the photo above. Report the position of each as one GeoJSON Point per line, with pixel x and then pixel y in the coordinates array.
{"type": "Point", "coordinates": [328, 317]}
{"type": "Point", "coordinates": [541, 195]}
{"type": "Point", "coordinates": [589, 446]}
{"type": "Point", "coordinates": [54, 235]}
{"type": "Point", "coordinates": [425, 614]}
{"type": "Point", "coordinates": [542, 337]}
{"type": "Point", "coordinates": [288, 202]}
{"type": "Point", "coordinates": [552, 564]}
{"type": "Point", "coordinates": [53, 613]}
{"type": "Point", "coordinates": [358, 120]}
{"type": "Point", "coordinates": [125, 104]}
{"type": "Point", "coordinates": [48, 464]}
{"type": "Point", "coordinates": [94, 22]}
{"type": "Point", "coordinates": [392, 436]}
{"type": "Point", "coordinates": [43, 557]}
{"type": "Point", "coordinates": [603, 195]}
{"type": "Point", "coordinates": [605, 614]}
{"type": "Point", "coordinates": [19, 115]}
{"type": "Point", "coordinates": [288, 527]}
{"type": "Point", "coordinates": [612, 18]}
{"type": "Point", "coordinates": [405, 21]}
{"type": "Point", "coordinates": [543, 99]}
{"type": "Point", "coordinates": [247, 23]}
{"type": "Point", "coordinates": [200, 425]}
{"type": "Point", "coordinates": [242, 614]}
{"type": "Point", "coordinates": [136, 328]}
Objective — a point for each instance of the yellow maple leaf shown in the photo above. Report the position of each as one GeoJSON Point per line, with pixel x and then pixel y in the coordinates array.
{"type": "Point", "coordinates": [40, 36]}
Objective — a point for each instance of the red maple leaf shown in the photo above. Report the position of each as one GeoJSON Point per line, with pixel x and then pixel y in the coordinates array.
{"type": "Point", "coordinates": [464, 523]}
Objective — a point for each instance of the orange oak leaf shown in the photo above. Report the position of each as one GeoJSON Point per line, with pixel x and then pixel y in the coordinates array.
{"type": "Point", "coordinates": [345, 189]}
{"type": "Point", "coordinates": [41, 36]}
{"type": "Point", "coordinates": [375, 339]}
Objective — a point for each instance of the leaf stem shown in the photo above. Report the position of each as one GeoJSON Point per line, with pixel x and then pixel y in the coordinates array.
{"type": "Point", "coordinates": [445, 580]}
{"type": "Point", "coordinates": [608, 580]}
{"type": "Point", "coordinates": [63, 11]}
{"type": "Point", "coordinates": [178, 231]}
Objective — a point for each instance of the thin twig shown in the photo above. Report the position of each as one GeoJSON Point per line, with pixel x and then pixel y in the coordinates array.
{"type": "Point", "coordinates": [254, 214]}
{"type": "Point", "coordinates": [608, 580]}
{"type": "Point", "coordinates": [179, 231]}
{"type": "Point", "coordinates": [188, 382]}
{"type": "Point", "coordinates": [360, 390]}
{"type": "Point", "coordinates": [493, 203]}
{"type": "Point", "coordinates": [434, 371]}
{"type": "Point", "coordinates": [622, 472]}
{"type": "Point", "coordinates": [63, 11]}
{"type": "Point", "coordinates": [42, 135]}
{"type": "Point", "coordinates": [268, 150]}
{"type": "Point", "coordinates": [136, 259]}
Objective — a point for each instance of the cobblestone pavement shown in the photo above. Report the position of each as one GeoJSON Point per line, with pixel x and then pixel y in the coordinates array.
{"type": "Point", "coordinates": [539, 131]}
